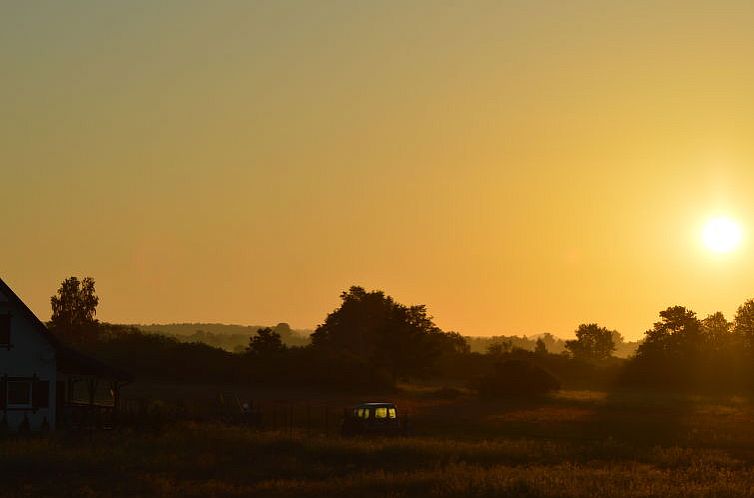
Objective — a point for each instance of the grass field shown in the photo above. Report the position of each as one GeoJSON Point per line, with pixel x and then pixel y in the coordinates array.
{"type": "Point", "coordinates": [570, 444]}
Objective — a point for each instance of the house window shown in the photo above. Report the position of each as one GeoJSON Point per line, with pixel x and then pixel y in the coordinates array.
{"type": "Point", "coordinates": [19, 394]}
{"type": "Point", "coordinates": [5, 330]}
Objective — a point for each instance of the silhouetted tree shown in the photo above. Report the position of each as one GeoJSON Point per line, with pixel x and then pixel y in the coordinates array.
{"type": "Point", "coordinates": [592, 343]}
{"type": "Point", "coordinates": [453, 343]}
{"type": "Point", "coordinates": [403, 340]}
{"type": "Point", "coordinates": [681, 351]}
{"type": "Point", "coordinates": [718, 332]}
{"type": "Point", "coordinates": [540, 347]}
{"type": "Point", "coordinates": [265, 342]}
{"type": "Point", "coordinates": [617, 338]}
{"type": "Point", "coordinates": [516, 378]}
{"type": "Point", "coordinates": [743, 324]}
{"type": "Point", "coordinates": [283, 328]}
{"type": "Point", "coordinates": [74, 306]}
{"type": "Point", "coordinates": [355, 326]}
{"type": "Point", "coordinates": [677, 334]}
{"type": "Point", "coordinates": [499, 348]}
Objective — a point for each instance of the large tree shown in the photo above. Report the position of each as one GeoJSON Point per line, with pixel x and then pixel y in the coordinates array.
{"type": "Point", "coordinates": [355, 326]}
{"type": "Point", "coordinates": [592, 343]}
{"type": "Point", "coordinates": [74, 307]}
{"type": "Point", "coordinates": [265, 342]}
{"type": "Point", "coordinates": [678, 334]}
{"type": "Point", "coordinates": [682, 351]}
{"type": "Point", "coordinates": [718, 332]}
{"type": "Point", "coordinates": [402, 340]}
{"type": "Point", "coordinates": [743, 324]}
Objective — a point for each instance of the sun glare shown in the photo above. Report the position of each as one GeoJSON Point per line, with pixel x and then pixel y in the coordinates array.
{"type": "Point", "coordinates": [721, 235]}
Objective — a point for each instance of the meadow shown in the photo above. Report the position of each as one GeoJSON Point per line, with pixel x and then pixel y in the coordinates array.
{"type": "Point", "coordinates": [572, 443]}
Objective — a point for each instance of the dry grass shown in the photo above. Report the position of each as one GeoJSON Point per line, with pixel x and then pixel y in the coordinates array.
{"type": "Point", "coordinates": [618, 445]}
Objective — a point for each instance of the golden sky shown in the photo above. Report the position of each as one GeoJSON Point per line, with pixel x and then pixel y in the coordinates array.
{"type": "Point", "coordinates": [519, 167]}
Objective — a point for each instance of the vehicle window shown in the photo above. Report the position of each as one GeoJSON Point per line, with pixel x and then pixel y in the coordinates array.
{"type": "Point", "coordinates": [380, 412]}
{"type": "Point", "coordinates": [391, 412]}
{"type": "Point", "coordinates": [365, 413]}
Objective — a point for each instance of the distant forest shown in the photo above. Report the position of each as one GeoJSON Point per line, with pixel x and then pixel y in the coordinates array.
{"type": "Point", "coordinates": [235, 338]}
{"type": "Point", "coordinates": [553, 344]}
{"type": "Point", "coordinates": [373, 342]}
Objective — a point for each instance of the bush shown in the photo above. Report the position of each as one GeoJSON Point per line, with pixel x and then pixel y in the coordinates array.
{"type": "Point", "coordinates": [516, 378]}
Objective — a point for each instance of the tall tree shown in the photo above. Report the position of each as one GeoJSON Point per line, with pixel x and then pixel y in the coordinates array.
{"type": "Point", "coordinates": [401, 340]}
{"type": "Point", "coordinates": [592, 343]}
{"type": "Point", "coordinates": [718, 332]}
{"type": "Point", "coordinates": [74, 307]}
{"type": "Point", "coordinates": [356, 325]}
{"type": "Point", "coordinates": [266, 341]}
{"type": "Point", "coordinates": [679, 333]}
{"type": "Point", "coordinates": [743, 324]}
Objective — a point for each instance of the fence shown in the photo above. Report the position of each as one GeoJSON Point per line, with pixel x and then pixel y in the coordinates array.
{"type": "Point", "coordinates": [278, 415]}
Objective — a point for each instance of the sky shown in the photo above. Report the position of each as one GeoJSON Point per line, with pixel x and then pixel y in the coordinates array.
{"type": "Point", "coordinates": [517, 166]}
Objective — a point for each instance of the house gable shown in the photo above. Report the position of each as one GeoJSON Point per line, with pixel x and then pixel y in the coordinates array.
{"type": "Point", "coordinates": [28, 365]}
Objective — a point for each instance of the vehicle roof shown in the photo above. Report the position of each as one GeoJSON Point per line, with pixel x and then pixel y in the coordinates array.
{"type": "Point", "coordinates": [370, 405]}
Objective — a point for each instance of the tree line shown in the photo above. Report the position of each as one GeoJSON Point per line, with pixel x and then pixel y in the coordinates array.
{"type": "Point", "coordinates": [372, 341]}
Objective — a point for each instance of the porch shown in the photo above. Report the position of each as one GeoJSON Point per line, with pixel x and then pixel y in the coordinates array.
{"type": "Point", "coordinates": [87, 392]}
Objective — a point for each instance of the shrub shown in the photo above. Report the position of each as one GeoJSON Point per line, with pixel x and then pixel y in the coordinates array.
{"type": "Point", "coordinates": [516, 378]}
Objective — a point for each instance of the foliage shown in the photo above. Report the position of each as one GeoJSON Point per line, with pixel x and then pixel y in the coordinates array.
{"type": "Point", "coordinates": [540, 347]}
{"type": "Point", "coordinates": [743, 324]}
{"type": "Point", "coordinates": [482, 344]}
{"type": "Point", "coordinates": [592, 343]}
{"type": "Point", "coordinates": [74, 306]}
{"type": "Point", "coordinates": [402, 340]}
{"type": "Point", "coordinates": [233, 338]}
{"type": "Point", "coordinates": [265, 342]}
{"type": "Point", "coordinates": [569, 444]}
{"type": "Point", "coordinates": [516, 377]}
{"type": "Point", "coordinates": [683, 352]}
{"type": "Point", "coordinates": [677, 334]}
{"type": "Point", "coordinates": [371, 341]}
{"type": "Point", "coordinates": [499, 348]}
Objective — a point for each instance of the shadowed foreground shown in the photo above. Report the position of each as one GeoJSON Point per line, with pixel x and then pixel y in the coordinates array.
{"type": "Point", "coordinates": [710, 453]}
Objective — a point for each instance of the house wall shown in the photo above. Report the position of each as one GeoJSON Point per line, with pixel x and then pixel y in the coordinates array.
{"type": "Point", "coordinates": [30, 354]}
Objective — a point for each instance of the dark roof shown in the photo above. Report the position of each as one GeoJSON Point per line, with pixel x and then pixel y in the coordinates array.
{"type": "Point", "coordinates": [73, 362]}
{"type": "Point", "coordinates": [69, 360]}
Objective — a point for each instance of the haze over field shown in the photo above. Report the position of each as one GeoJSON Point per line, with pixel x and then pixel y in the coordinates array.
{"type": "Point", "coordinates": [518, 167]}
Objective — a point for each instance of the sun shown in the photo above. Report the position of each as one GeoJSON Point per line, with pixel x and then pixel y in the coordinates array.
{"type": "Point", "coordinates": [721, 235]}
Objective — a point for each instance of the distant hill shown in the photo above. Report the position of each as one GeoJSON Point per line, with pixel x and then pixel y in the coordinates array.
{"type": "Point", "coordinates": [229, 337]}
{"type": "Point", "coordinates": [235, 338]}
{"type": "Point", "coordinates": [554, 344]}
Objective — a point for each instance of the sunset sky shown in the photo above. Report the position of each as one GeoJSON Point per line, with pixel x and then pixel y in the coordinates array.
{"type": "Point", "coordinates": [518, 167]}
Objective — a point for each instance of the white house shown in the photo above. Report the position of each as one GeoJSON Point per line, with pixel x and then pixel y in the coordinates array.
{"type": "Point", "coordinates": [44, 384]}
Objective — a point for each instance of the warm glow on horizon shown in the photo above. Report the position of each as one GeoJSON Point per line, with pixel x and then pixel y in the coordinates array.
{"type": "Point", "coordinates": [518, 167]}
{"type": "Point", "coordinates": [722, 235]}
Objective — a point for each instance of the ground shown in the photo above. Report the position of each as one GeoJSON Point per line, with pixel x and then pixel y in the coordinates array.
{"type": "Point", "coordinates": [573, 443]}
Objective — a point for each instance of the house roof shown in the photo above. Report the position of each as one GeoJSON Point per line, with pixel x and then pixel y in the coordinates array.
{"type": "Point", "coordinates": [70, 361]}
{"type": "Point", "coordinates": [73, 362]}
